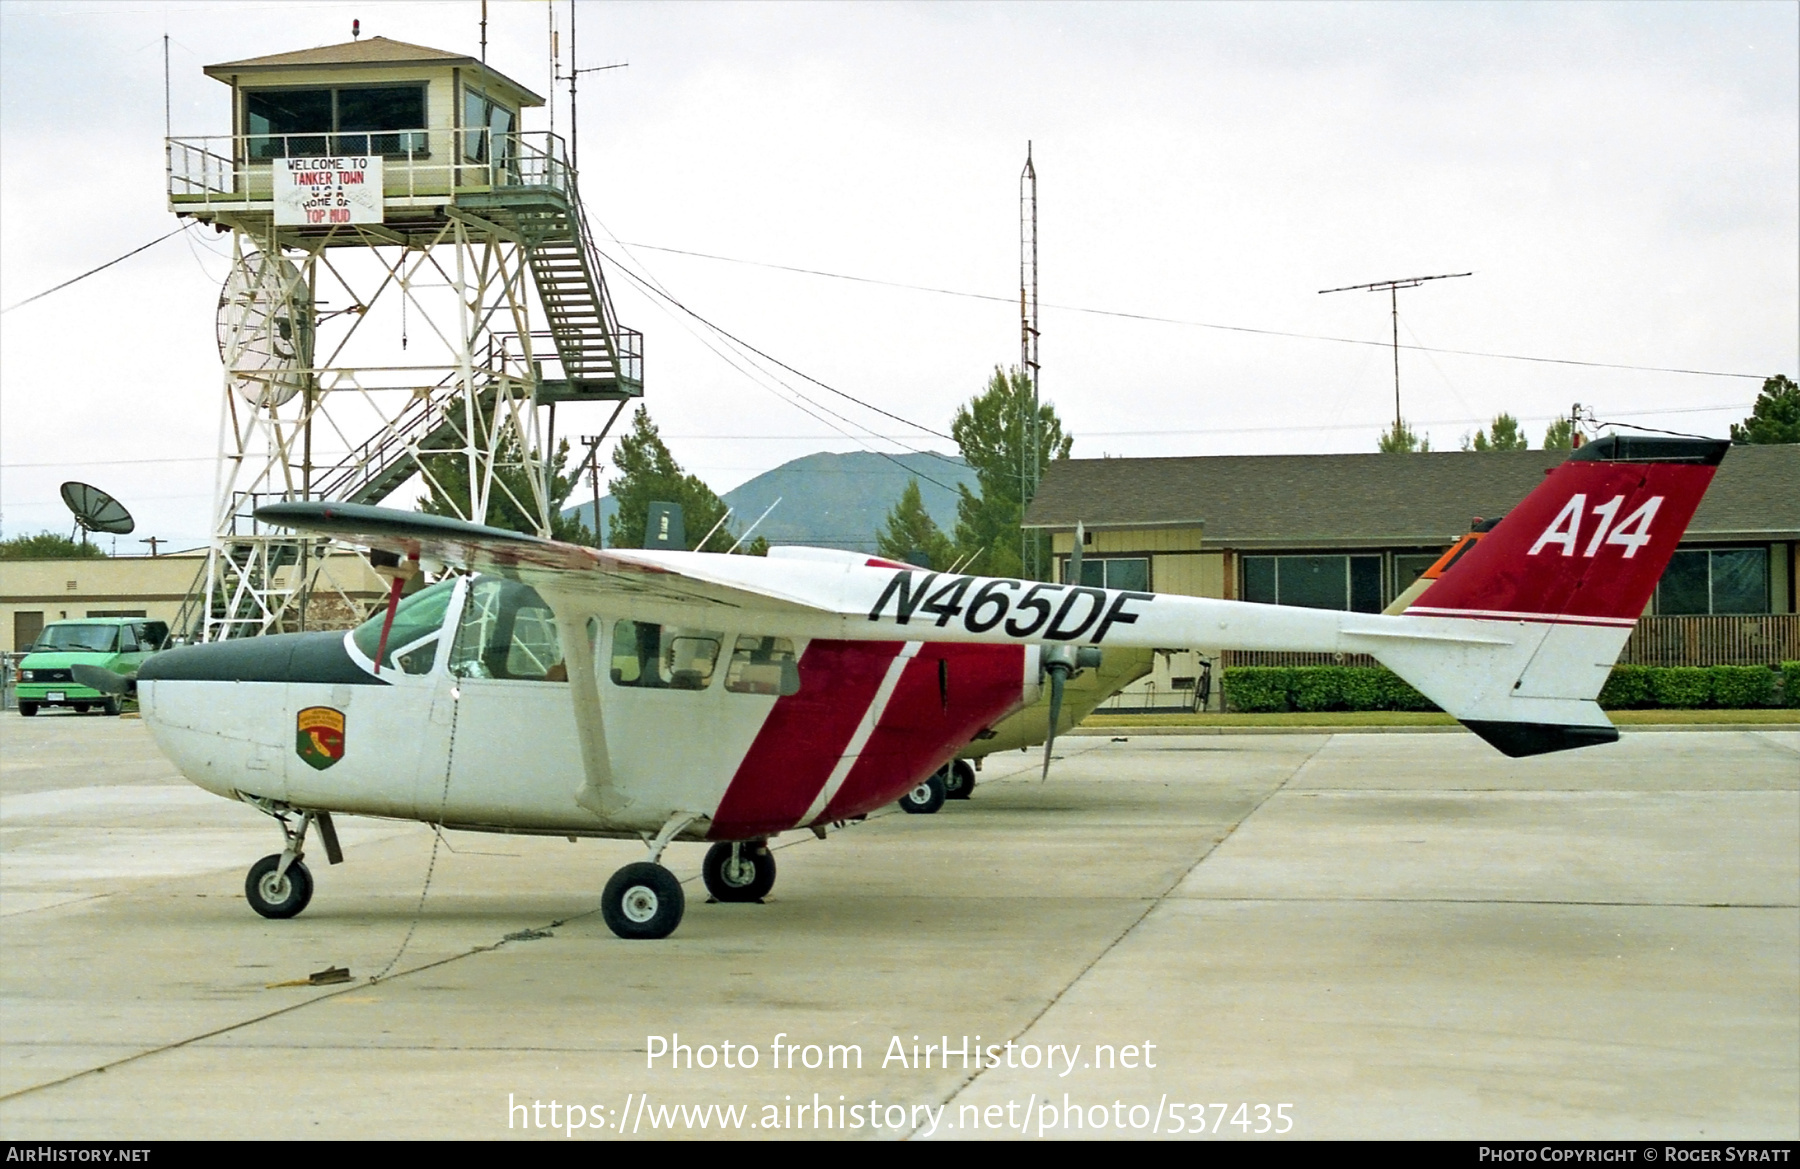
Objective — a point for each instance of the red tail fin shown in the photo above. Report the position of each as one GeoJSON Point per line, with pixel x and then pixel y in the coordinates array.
{"type": "Point", "coordinates": [1589, 544]}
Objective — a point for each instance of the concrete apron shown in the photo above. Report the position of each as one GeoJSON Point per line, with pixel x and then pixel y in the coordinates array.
{"type": "Point", "coordinates": [1392, 935]}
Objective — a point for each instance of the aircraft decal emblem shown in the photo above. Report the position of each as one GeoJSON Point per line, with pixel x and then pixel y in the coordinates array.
{"type": "Point", "coordinates": [319, 736]}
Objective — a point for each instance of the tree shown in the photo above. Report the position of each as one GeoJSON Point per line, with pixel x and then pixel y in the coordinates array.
{"type": "Point", "coordinates": [1561, 434]}
{"type": "Point", "coordinates": [1401, 440]}
{"type": "Point", "coordinates": [1503, 434]}
{"type": "Point", "coordinates": [992, 430]}
{"type": "Point", "coordinates": [911, 532]}
{"type": "Point", "coordinates": [648, 474]}
{"type": "Point", "coordinates": [510, 501]}
{"type": "Point", "coordinates": [1776, 416]}
{"type": "Point", "coordinates": [47, 546]}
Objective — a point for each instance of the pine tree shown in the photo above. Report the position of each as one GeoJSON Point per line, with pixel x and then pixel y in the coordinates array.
{"type": "Point", "coordinates": [912, 535]}
{"type": "Point", "coordinates": [648, 473]}
{"type": "Point", "coordinates": [1561, 435]}
{"type": "Point", "coordinates": [1400, 439]}
{"type": "Point", "coordinates": [510, 501]}
{"type": "Point", "coordinates": [1776, 416]}
{"type": "Point", "coordinates": [1502, 435]}
{"type": "Point", "coordinates": [991, 430]}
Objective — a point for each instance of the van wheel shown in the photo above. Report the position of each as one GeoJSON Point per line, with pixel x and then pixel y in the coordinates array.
{"type": "Point", "coordinates": [81, 708]}
{"type": "Point", "coordinates": [28, 708]}
{"type": "Point", "coordinates": [110, 706]}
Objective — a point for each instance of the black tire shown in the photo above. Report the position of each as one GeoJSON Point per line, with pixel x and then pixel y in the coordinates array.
{"type": "Point", "coordinates": [643, 901]}
{"type": "Point", "coordinates": [81, 708]}
{"type": "Point", "coordinates": [278, 899]}
{"type": "Point", "coordinates": [754, 878]}
{"type": "Point", "coordinates": [28, 709]}
{"type": "Point", "coordinates": [110, 706]}
{"type": "Point", "coordinates": [925, 799]}
{"type": "Point", "coordinates": [959, 779]}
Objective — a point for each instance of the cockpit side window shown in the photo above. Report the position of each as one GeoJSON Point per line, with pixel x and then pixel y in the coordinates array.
{"type": "Point", "coordinates": [763, 665]}
{"type": "Point", "coordinates": [418, 616]}
{"type": "Point", "coordinates": [663, 657]}
{"type": "Point", "coordinates": [507, 631]}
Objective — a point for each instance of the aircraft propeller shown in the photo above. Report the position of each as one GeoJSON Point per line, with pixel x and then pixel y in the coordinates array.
{"type": "Point", "coordinates": [104, 680]}
{"type": "Point", "coordinates": [1061, 662]}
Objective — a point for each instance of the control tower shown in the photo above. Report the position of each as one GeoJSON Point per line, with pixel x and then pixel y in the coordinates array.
{"type": "Point", "coordinates": [412, 278]}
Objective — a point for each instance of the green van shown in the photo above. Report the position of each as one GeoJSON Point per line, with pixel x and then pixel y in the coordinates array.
{"type": "Point", "coordinates": [119, 644]}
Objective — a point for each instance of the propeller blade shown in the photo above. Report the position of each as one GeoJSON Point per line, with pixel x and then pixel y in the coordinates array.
{"type": "Point", "coordinates": [387, 623]}
{"type": "Point", "coordinates": [103, 680]}
{"type": "Point", "coordinates": [1058, 674]}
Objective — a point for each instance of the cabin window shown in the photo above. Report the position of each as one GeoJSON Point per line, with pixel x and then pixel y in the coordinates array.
{"type": "Point", "coordinates": [1345, 583]}
{"type": "Point", "coordinates": [507, 631]}
{"type": "Point", "coordinates": [763, 665]}
{"type": "Point", "coordinates": [1704, 581]}
{"type": "Point", "coordinates": [367, 119]}
{"type": "Point", "coordinates": [418, 617]}
{"type": "Point", "coordinates": [663, 657]}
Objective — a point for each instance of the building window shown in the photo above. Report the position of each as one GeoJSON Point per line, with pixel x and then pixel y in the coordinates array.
{"type": "Point", "coordinates": [1350, 583]}
{"type": "Point", "coordinates": [384, 119]}
{"type": "Point", "coordinates": [1714, 580]}
{"type": "Point", "coordinates": [1127, 573]}
{"type": "Point", "coordinates": [487, 129]}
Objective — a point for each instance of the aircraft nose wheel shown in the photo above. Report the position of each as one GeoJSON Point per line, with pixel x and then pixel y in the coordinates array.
{"type": "Point", "coordinates": [275, 894]}
{"type": "Point", "coordinates": [925, 799]}
{"type": "Point", "coordinates": [643, 900]}
{"type": "Point", "coordinates": [746, 876]}
{"type": "Point", "coordinates": [959, 779]}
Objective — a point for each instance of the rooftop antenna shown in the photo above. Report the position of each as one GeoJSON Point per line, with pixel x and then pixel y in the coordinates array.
{"type": "Point", "coordinates": [96, 511]}
{"type": "Point", "coordinates": [484, 32]}
{"type": "Point", "coordinates": [1392, 288]}
{"type": "Point", "coordinates": [1029, 460]}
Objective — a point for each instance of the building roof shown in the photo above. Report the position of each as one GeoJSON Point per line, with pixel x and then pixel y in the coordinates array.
{"type": "Point", "coordinates": [368, 51]}
{"type": "Point", "coordinates": [1375, 499]}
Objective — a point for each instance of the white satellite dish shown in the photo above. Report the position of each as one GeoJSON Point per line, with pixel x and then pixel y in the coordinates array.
{"type": "Point", "coordinates": [265, 324]}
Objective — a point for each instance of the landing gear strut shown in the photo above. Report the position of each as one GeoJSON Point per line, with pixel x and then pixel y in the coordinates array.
{"type": "Point", "coordinates": [739, 871]}
{"type": "Point", "coordinates": [280, 885]}
{"type": "Point", "coordinates": [643, 899]}
{"type": "Point", "coordinates": [959, 779]}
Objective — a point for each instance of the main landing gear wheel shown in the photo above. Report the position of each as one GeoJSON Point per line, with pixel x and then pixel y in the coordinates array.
{"type": "Point", "coordinates": [959, 779]}
{"type": "Point", "coordinates": [643, 900]}
{"type": "Point", "coordinates": [746, 876]}
{"type": "Point", "coordinates": [278, 896]}
{"type": "Point", "coordinates": [925, 799]}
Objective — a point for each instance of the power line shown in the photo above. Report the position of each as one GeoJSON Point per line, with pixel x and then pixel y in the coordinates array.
{"type": "Point", "coordinates": [91, 271]}
{"type": "Point", "coordinates": [1153, 319]}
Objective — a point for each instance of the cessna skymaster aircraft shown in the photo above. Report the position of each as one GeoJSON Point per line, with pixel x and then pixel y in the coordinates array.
{"type": "Point", "coordinates": [571, 691]}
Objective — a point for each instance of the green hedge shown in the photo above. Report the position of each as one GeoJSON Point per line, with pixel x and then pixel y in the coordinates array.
{"type": "Point", "coordinates": [1256, 689]}
{"type": "Point", "coordinates": [1319, 688]}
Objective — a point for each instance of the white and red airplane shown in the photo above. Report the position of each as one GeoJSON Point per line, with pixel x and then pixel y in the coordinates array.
{"type": "Point", "coordinates": [564, 690]}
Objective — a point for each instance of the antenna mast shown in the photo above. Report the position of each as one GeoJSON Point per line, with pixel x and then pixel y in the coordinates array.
{"type": "Point", "coordinates": [1030, 457]}
{"type": "Point", "coordinates": [1392, 287]}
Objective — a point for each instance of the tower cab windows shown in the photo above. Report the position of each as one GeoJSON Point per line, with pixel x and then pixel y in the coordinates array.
{"type": "Point", "coordinates": [373, 119]}
{"type": "Point", "coordinates": [488, 129]}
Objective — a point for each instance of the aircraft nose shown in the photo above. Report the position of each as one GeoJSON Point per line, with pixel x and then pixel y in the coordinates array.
{"type": "Point", "coordinates": [282, 657]}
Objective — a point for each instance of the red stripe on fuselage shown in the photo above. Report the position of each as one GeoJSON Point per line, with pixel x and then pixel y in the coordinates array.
{"type": "Point", "coordinates": [920, 731]}
{"type": "Point", "coordinates": [803, 738]}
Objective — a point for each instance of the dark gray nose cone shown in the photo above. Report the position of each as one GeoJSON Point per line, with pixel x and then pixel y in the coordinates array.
{"type": "Point", "coordinates": [281, 657]}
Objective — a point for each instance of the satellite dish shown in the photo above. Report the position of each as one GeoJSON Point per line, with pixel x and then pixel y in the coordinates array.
{"type": "Point", "coordinates": [265, 325]}
{"type": "Point", "coordinates": [95, 510]}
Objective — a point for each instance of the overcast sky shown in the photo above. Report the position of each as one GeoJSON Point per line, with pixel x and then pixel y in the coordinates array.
{"type": "Point", "coordinates": [1622, 180]}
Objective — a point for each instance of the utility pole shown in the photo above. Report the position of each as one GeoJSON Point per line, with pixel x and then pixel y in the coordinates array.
{"type": "Point", "coordinates": [1030, 459]}
{"type": "Point", "coordinates": [1392, 287]}
{"type": "Point", "coordinates": [593, 442]}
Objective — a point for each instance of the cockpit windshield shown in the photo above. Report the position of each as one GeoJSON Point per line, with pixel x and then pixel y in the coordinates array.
{"type": "Point", "coordinates": [417, 616]}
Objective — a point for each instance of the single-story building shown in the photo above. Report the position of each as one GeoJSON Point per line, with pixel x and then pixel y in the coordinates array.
{"type": "Point", "coordinates": [1353, 531]}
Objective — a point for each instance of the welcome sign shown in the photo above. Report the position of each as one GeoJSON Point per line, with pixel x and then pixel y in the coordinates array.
{"type": "Point", "coordinates": [323, 191]}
